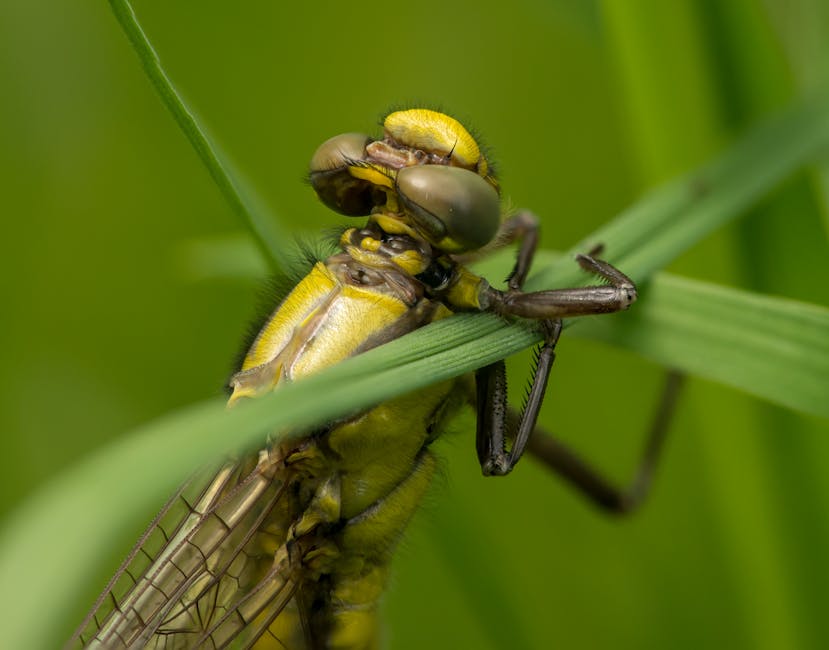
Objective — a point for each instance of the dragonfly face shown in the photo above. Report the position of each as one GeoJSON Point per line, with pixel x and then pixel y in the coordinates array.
{"type": "Point", "coordinates": [427, 175]}
{"type": "Point", "coordinates": [291, 546]}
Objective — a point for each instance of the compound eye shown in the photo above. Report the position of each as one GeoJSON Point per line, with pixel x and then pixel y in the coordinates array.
{"type": "Point", "coordinates": [332, 181]}
{"type": "Point", "coordinates": [336, 153]}
{"type": "Point", "coordinates": [456, 209]}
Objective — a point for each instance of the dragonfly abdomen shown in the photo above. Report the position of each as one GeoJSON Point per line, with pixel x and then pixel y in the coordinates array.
{"type": "Point", "coordinates": [379, 468]}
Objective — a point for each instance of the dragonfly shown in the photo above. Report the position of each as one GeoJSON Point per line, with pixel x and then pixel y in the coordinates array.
{"type": "Point", "coordinates": [290, 546]}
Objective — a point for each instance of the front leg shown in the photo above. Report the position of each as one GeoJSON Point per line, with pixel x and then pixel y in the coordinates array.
{"type": "Point", "coordinates": [549, 307]}
{"type": "Point", "coordinates": [617, 295]}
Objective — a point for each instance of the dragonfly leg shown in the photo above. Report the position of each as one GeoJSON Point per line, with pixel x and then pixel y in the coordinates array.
{"type": "Point", "coordinates": [523, 226]}
{"type": "Point", "coordinates": [493, 412]}
{"type": "Point", "coordinates": [549, 307]}
{"type": "Point", "coordinates": [618, 294]}
{"type": "Point", "coordinates": [592, 484]}
{"type": "Point", "coordinates": [491, 381]}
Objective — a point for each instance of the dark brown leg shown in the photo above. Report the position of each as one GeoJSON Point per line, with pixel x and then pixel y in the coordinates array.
{"type": "Point", "coordinates": [597, 488]}
{"type": "Point", "coordinates": [491, 381]}
{"type": "Point", "coordinates": [523, 227]}
{"type": "Point", "coordinates": [549, 307]}
{"type": "Point", "coordinates": [618, 294]}
{"type": "Point", "coordinates": [494, 418]}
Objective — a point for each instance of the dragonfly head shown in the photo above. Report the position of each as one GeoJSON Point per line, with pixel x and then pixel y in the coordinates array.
{"type": "Point", "coordinates": [427, 177]}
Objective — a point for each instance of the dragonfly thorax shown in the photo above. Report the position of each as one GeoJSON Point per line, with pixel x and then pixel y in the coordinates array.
{"type": "Point", "coordinates": [373, 246]}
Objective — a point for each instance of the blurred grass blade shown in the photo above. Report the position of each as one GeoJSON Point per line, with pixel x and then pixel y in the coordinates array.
{"type": "Point", "coordinates": [244, 202]}
{"type": "Point", "coordinates": [219, 257]}
{"type": "Point", "coordinates": [773, 348]}
{"type": "Point", "coordinates": [674, 217]}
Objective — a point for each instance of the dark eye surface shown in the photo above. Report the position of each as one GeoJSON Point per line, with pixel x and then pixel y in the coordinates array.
{"type": "Point", "coordinates": [337, 152]}
{"type": "Point", "coordinates": [457, 209]}
{"type": "Point", "coordinates": [333, 182]}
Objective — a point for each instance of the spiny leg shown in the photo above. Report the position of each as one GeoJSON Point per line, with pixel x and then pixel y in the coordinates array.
{"type": "Point", "coordinates": [491, 381]}
{"type": "Point", "coordinates": [591, 483]}
{"type": "Point", "coordinates": [523, 226]}
{"type": "Point", "coordinates": [494, 418]}
{"type": "Point", "coordinates": [549, 307]}
{"type": "Point", "coordinates": [617, 295]}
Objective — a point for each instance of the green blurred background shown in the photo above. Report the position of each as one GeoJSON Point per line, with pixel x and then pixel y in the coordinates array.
{"type": "Point", "coordinates": [109, 320]}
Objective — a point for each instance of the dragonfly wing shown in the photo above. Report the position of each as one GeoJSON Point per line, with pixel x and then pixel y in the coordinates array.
{"type": "Point", "coordinates": [204, 571]}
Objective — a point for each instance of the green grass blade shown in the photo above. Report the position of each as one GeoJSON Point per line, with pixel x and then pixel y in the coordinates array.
{"type": "Point", "coordinates": [261, 225]}
{"type": "Point", "coordinates": [770, 347]}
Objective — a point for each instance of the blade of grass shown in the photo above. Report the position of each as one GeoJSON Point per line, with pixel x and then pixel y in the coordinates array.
{"type": "Point", "coordinates": [804, 31]}
{"type": "Point", "coordinates": [770, 347]}
{"type": "Point", "coordinates": [261, 225]}
{"type": "Point", "coordinates": [84, 515]}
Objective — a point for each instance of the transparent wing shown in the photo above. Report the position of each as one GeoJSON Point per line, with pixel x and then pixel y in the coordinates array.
{"type": "Point", "coordinates": [212, 568]}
